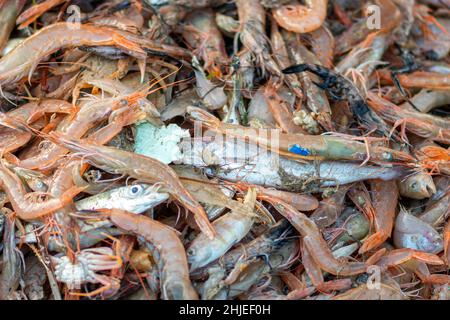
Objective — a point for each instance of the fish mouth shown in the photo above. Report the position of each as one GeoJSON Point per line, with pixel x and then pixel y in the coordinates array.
{"type": "Point", "coordinates": [150, 201]}
{"type": "Point", "coordinates": [431, 190]}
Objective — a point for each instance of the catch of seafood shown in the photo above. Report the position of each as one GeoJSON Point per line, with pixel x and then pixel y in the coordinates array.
{"type": "Point", "coordinates": [224, 150]}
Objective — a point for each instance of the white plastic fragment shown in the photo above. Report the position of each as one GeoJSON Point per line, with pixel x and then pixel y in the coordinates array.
{"type": "Point", "coordinates": [160, 143]}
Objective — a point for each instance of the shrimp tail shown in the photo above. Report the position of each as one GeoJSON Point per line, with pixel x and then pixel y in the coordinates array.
{"type": "Point", "coordinates": [374, 241]}
{"type": "Point", "coordinates": [205, 117]}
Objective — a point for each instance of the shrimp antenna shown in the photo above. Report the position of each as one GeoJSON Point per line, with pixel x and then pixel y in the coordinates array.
{"type": "Point", "coordinates": [156, 81]}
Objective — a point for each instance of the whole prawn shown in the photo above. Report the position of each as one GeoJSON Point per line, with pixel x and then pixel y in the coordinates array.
{"type": "Point", "coordinates": [420, 79]}
{"type": "Point", "coordinates": [423, 125]}
{"type": "Point", "coordinates": [76, 126]}
{"type": "Point", "coordinates": [48, 40]}
{"type": "Point", "coordinates": [174, 272]}
{"type": "Point", "coordinates": [17, 63]}
{"type": "Point", "coordinates": [13, 138]}
{"type": "Point", "coordinates": [252, 33]}
{"type": "Point", "coordinates": [23, 204]}
{"type": "Point", "coordinates": [315, 243]}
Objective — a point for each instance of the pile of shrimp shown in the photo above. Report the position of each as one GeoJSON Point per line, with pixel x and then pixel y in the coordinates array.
{"type": "Point", "coordinates": [317, 166]}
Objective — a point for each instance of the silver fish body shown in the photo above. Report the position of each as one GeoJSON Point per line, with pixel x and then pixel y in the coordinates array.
{"type": "Point", "coordinates": [236, 161]}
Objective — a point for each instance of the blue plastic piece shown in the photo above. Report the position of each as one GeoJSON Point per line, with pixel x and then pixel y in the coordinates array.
{"type": "Point", "coordinates": [299, 150]}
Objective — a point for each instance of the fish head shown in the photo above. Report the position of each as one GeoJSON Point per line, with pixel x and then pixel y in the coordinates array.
{"type": "Point", "coordinates": [199, 254]}
{"type": "Point", "coordinates": [430, 242]}
{"type": "Point", "coordinates": [419, 186]}
{"type": "Point", "coordinates": [411, 232]}
{"type": "Point", "coordinates": [138, 198]}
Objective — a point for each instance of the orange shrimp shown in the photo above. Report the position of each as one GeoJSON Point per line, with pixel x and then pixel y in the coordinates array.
{"type": "Point", "coordinates": [292, 281]}
{"type": "Point", "coordinates": [33, 13]}
{"type": "Point", "coordinates": [13, 139]}
{"type": "Point", "coordinates": [419, 79]}
{"type": "Point", "coordinates": [400, 256]}
{"type": "Point", "coordinates": [174, 271]}
{"type": "Point", "coordinates": [384, 201]}
{"type": "Point", "coordinates": [48, 40]}
{"type": "Point", "coordinates": [360, 32]}
{"type": "Point", "coordinates": [302, 202]}
{"type": "Point", "coordinates": [89, 115]}
{"type": "Point", "coordinates": [32, 111]}
{"type": "Point", "coordinates": [434, 158]}
{"type": "Point", "coordinates": [300, 19]}
{"type": "Point", "coordinates": [13, 135]}
{"type": "Point", "coordinates": [422, 271]}
{"type": "Point", "coordinates": [202, 33]}
{"type": "Point", "coordinates": [423, 125]}
{"type": "Point", "coordinates": [315, 243]}
{"type": "Point", "coordinates": [125, 118]}
{"type": "Point", "coordinates": [127, 106]}
{"type": "Point", "coordinates": [140, 167]}
{"type": "Point", "coordinates": [17, 63]}
{"type": "Point", "coordinates": [23, 205]}
{"type": "Point", "coordinates": [362, 293]}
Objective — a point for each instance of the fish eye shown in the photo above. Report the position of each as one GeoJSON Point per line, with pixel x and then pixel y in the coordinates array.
{"type": "Point", "coordinates": [190, 252]}
{"type": "Point", "coordinates": [135, 190]}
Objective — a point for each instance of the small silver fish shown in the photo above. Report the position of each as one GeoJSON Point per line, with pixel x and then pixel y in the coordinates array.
{"type": "Point", "coordinates": [135, 198]}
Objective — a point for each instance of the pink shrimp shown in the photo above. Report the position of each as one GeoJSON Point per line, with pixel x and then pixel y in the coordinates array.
{"type": "Point", "coordinates": [23, 205]}
{"type": "Point", "coordinates": [315, 243]}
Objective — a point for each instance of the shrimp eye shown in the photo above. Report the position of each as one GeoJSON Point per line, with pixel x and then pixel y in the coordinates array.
{"type": "Point", "coordinates": [414, 185]}
{"type": "Point", "coordinates": [190, 252]}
